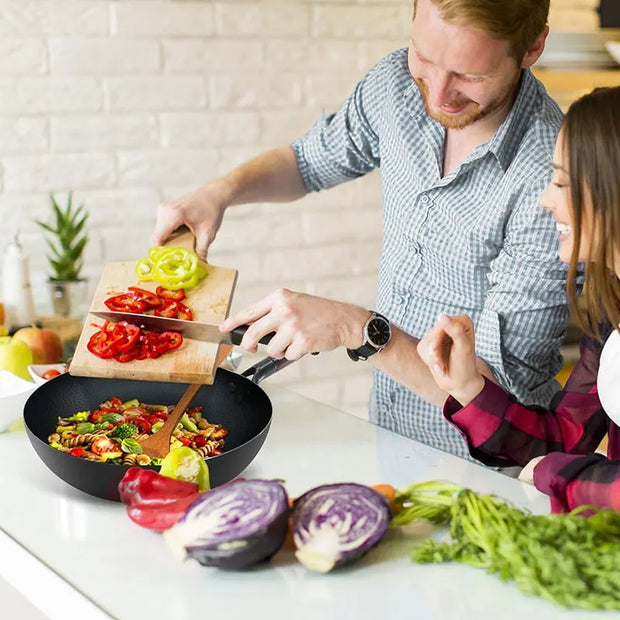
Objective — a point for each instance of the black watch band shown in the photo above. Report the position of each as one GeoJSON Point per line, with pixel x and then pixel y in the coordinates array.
{"type": "Point", "coordinates": [377, 335]}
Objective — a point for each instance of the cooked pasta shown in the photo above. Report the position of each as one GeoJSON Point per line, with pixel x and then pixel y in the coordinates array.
{"type": "Point", "coordinates": [112, 433]}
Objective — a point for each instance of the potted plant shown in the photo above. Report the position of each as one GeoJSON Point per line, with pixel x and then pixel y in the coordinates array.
{"type": "Point", "coordinates": [67, 241]}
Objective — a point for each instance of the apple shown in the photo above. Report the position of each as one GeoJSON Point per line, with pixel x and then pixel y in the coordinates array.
{"type": "Point", "coordinates": [15, 356]}
{"type": "Point", "coordinates": [45, 344]}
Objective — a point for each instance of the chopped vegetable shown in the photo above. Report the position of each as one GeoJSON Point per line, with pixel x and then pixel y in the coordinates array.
{"type": "Point", "coordinates": [125, 342]}
{"type": "Point", "coordinates": [131, 446]}
{"type": "Point", "coordinates": [173, 267]}
{"type": "Point", "coordinates": [186, 464]}
{"type": "Point", "coordinates": [236, 525]}
{"type": "Point", "coordinates": [337, 523]}
{"type": "Point", "coordinates": [124, 431]}
{"type": "Point", "coordinates": [154, 501]}
{"type": "Point", "coordinates": [568, 559]}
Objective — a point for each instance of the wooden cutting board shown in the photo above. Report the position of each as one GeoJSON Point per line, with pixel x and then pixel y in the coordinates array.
{"type": "Point", "coordinates": [192, 362]}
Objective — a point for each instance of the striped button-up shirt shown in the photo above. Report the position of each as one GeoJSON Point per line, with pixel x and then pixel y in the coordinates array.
{"type": "Point", "coordinates": [475, 241]}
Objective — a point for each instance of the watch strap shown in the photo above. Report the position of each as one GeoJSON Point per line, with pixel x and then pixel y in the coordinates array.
{"type": "Point", "coordinates": [367, 349]}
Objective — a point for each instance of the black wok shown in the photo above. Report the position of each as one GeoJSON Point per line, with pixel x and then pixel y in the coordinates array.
{"type": "Point", "coordinates": [233, 400]}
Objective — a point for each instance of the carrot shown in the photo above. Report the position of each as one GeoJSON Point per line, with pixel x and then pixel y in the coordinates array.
{"type": "Point", "coordinates": [389, 492]}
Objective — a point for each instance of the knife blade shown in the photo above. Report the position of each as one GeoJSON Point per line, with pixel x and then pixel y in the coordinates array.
{"type": "Point", "coordinates": [205, 332]}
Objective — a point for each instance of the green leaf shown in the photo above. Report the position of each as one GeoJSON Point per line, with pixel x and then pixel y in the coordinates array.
{"type": "Point", "coordinates": [67, 252]}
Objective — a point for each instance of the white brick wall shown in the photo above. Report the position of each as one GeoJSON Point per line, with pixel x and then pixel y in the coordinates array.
{"type": "Point", "coordinates": [129, 102]}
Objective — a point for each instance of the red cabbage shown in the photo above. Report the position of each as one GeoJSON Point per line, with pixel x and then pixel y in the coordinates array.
{"type": "Point", "coordinates": [235, 525]}
{"type": "Point", "coordinates": [336, 524]}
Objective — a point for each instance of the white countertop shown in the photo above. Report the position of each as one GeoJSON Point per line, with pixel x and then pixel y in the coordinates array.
{"type": "Point", "coordinates": [73, 555]}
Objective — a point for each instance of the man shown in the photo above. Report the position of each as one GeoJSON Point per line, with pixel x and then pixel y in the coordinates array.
{"type": "Point", "coordinates": [463, 135]}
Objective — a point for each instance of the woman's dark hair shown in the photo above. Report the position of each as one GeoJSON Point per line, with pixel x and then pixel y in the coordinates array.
{"type": "Point", "coordinates": [592, 141]}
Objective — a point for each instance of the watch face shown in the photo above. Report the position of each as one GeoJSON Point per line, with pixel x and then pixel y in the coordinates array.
{"type": "Point", "coordinates": [379, 331]}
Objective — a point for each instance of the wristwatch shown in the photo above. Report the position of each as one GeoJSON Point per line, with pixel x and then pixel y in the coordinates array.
{"type": "Point", "coordinates": [377, 335]}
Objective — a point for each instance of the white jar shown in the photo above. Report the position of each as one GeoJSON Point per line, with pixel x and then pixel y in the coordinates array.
{"type": "Point", "coordinates": [16, 291]}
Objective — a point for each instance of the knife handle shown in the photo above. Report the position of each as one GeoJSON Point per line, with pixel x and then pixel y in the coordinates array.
{"type": "Point", "coordinates": [236, 335]}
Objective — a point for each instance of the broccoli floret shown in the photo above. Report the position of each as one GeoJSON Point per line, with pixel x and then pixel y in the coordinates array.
{"type": "Point", "coordinates": [125, 430]}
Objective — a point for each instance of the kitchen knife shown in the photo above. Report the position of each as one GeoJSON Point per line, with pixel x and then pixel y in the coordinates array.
{"type": "Point", "coordinates": [193, 330]}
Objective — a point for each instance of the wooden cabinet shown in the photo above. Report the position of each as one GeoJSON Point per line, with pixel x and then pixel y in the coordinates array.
{"type": "Point", "coordinates": [566, 86]}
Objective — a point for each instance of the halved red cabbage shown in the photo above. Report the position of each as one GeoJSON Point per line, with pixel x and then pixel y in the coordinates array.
{"type": "Point", "coordinates": [235, 525]}
{"type": "Point", "coordinates": [335, 524]}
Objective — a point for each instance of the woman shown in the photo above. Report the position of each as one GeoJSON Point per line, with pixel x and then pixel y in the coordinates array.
{"type": "Point", "coordinates": [584, 198]}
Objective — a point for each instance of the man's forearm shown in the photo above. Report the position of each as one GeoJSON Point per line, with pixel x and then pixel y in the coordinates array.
{"type": "Point", "coordinates": [401, 361]}
{"type": "Point", "coordinates": [272, 176]}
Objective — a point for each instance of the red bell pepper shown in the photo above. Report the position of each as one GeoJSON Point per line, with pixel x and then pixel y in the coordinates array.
{"type": "Point", "coordinates": [166, 293]}
{"type": "Point", "coordinates": [154, 501]}
{"type": "Point", "coordinates": [125, 303]}
{"type": "Point", "coordinates": [151, 300]}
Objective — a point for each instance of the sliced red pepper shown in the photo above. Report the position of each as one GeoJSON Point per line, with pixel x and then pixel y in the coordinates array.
{"type": "Point", "coordinates": [125, 303]}
{"type": "Point", "coordinates": [185, 441]}
{"type": "Point", "coordinates": [152, 419]}
{"type": "Point", "coordinates": [151, 300]}
{"type": "Point", "coordinates": [123, 357]}
{"type": "Point", "coordinates": [131, 333]}
{"type": "Point", "coordinates": [183, 312]}
{"type": "Point", "coordinates": [99, 345]}
{"type": "Point", "coordinates": [166, 293]}
{"type": "Point", "coordinates": [168, 309]}
{"type": "Point", "coordinates": [77, 451]}
{"type": "Point", "coordinates": [173, 339]}
{"type": "Point", "coordinates": [142, 424]}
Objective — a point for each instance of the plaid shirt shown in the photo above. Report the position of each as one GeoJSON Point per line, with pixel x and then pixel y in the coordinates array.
{"type": "Point", "coordinates": [475, 241]}
{"type": "Point", "coordinates": [500, 431]}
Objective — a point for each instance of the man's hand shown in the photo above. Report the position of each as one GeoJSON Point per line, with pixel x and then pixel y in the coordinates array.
{"type": "Point", "coordinates": [201, 211]}
{"type": "Point", "coordinates": [449, 352]}
{"type": "Point", "coordinates": [302, 324]}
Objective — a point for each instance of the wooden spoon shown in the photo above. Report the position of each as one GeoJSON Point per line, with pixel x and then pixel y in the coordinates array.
{"type": "Point", "coordinates": [158, 444]}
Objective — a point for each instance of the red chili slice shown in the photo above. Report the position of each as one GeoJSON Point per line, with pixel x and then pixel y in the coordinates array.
{"type": "Point", "coordinates": [151, 300]}
{"type": "Point", "coordinates": [174, 310]}
{"type": "Point", "coordinates": [130, 337]}
{"type": "Point", "coordinates": [172, 339]}
{"type": "Point", "coordinates": [100, 346]}
{"type": "Point", "coordinates": [142, 424]}
{"type": "Point", "coordinates": [125, 303]}
{"type": "Point", "coordinates": [166, 293]}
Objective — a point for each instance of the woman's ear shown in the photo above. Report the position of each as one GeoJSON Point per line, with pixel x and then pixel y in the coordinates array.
{"type": "Point", "coordinates": [535, 51]}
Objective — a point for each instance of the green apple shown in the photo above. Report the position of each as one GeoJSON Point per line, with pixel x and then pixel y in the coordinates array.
{"type": "Point", "coordinates": [15, 356]}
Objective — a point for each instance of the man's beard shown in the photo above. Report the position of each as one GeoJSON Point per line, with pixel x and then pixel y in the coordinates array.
{"type": "Point", "coordinates": [469, 117]}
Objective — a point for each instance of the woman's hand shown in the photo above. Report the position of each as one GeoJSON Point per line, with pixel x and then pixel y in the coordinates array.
{"type": "Point", "coordinates": [302, 324]}
{"type": "Point", "coordinates": [449, 352]}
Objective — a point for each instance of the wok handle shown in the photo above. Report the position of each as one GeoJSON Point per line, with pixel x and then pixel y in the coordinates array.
{"type": "Point", "coordinates": [265, 368]}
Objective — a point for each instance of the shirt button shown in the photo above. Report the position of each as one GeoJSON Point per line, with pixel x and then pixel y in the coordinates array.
{"type": "Point", "coordinates": [399, 299]}
{"type": "Point", "coordinates": [424, 199]}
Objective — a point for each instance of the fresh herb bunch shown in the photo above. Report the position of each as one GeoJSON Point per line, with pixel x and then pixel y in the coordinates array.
{"type": "Point", "coordinates": [69, 241]}
{"type": "Point", "coordinates": [568, 559]}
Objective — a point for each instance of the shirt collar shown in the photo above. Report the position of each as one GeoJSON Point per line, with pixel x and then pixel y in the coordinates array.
{"type": "Point", "coordinates": [505, 142]}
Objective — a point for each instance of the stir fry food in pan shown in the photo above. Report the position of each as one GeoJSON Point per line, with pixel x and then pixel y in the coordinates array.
{"type": "Point", "coordinates": [111, 433]}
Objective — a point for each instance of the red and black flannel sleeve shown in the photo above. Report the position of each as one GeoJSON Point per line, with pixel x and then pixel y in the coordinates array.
{"type": "Point", "coordinates": [573, 480]}
{"type": "Point", "coordinates": [501, 432]}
